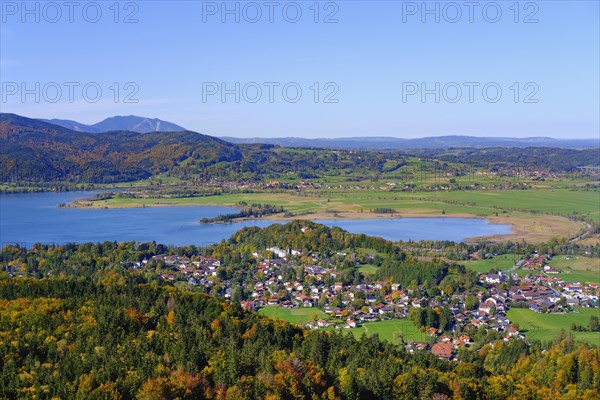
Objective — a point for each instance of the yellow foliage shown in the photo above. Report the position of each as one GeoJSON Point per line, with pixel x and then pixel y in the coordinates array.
{"type": "Point", "coordinates": [171, 318]}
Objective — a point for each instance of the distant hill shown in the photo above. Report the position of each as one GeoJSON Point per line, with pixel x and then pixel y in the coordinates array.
{"type": "Point", "coordinates": [137, 124]}
{"type": "Point", "coordinates": [130, 123]}
{"type": "Point", "coordinates": [33, 150]}
{"type": "Point", "coordinates": [437, 142]}
{"type": "Point", "coordinates": [73, 125]}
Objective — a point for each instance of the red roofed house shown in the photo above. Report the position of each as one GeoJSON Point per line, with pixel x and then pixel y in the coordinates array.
{"type": "Point", "coordinates": [442, 350]}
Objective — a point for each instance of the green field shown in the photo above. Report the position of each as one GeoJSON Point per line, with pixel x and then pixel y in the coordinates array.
{"type": "Point", "coordinates": [368, 268]}
{"type": "Point", "coordinates": [298, 316]}
{"type": "Point", "coordinates": [577, 268]}
{"type": "Point", "coordinates": [545, 327]}
{"type": "Point", "coordinates": [553, 201]}
{"type": "Point", "coordinates": [392, 330]}
{"type": "Point", "coordinates": [499, 263]}
{"type": "Point", "coordinates": [476, 202]}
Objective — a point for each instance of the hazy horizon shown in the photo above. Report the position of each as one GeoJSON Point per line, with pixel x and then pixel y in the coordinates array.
{"type": "Point", "coordinates": [374, 136]}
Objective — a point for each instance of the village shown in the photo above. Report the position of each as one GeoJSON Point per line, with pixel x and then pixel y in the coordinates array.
{"type": "Point", "coordinates": [282, 281]}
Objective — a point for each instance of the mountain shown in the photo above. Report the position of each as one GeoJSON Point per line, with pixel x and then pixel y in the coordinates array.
{"type": "Point", "coordinates": [33, 150]}
{"type": "Point", "coordinates": [36, 151]}
{"type": "Point", "coordinates": [134, 123]}
{"type": "Point", "coordinates": [437, 142]}
{"type": "Point", "coordinates": [130, 123]}
{"type": "Point", "coordinates": [137, 124]}
{"type": "Point", "coordinates": [72, 125]}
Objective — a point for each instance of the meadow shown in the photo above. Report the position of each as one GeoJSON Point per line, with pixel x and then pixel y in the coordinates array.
{"type": "Point", "coordinates": [475, 202]}
{"type": "Point", "coordinates": [577, 268]}
{"type": "Point", "coordinates": [545, 327]}
{"type": "Point", "coordinates": [298, 316]}
{"type": "Point", "coordinates": [499, 263]}
{"type": "Point", "coordinates": [391, 330]}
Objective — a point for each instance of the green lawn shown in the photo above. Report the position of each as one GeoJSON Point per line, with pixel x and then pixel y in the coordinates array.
{"type": "Point", "coordinates": [501, 262]}
{"type": "Point", "coordinates": [546, 326]}
{"type": "Point", "coordinates": [391, 330]}
{"type": "Point", "coordinates": [387, 330]}
{"type": "Point", "coordinates": [368, 269]}
{"type": "Point", "coordinates": [298, 316]}
{"type": "Point", "coordinates": [577, 268]}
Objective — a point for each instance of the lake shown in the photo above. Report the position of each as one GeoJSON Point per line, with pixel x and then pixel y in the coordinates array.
{"type": "Point", "coordinates": [34, 217]}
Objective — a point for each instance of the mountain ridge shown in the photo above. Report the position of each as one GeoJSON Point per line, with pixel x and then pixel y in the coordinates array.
{"type": "Point", "coordinates": [146, 125]}
{"type": "Point", "coordinates": [34, 150]}
{"type": "Point", "coordinates": [132, 123]}
{"type": "Point", "coordinates": [395, 143]}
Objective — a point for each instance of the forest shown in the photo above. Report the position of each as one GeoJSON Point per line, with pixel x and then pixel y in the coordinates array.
{"type": "Point", "coordinates": [72, 338]}
{"type": "Point", "coordinates": [39, 153]}
{"type": "Point", "coordinates": [79, 321]}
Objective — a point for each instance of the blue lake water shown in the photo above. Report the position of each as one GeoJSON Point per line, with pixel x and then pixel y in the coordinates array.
{"type": "Point", "coordinates": [29, 218]}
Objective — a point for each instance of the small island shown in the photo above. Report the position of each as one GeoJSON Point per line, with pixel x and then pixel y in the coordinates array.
{"type": "Point", "coordinates": [254, 210]}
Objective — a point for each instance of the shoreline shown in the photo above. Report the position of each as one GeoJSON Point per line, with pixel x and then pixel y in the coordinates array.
{"type": "Point", "coordinates": [532, 228]}
{"type": "Point", "coordinates": [320, 216]}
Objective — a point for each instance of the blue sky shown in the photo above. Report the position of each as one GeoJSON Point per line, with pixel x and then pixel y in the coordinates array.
{"type": "Point", "coordinates": [378, 68]}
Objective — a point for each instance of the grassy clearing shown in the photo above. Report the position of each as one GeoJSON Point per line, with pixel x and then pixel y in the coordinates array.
{"type": "Point", "coordinates": [368, 269]}
{"type": "Point", "coordinates": [501, 262]}
{"type": "Point", "coordinates": [298, 316]}
{"type": "Point", "coordinates": [392, 330]}
{"type": "Point", "coordinates": [545, 327]}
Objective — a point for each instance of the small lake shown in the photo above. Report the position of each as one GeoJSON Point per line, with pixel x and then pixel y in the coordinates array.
{"type": "Point", "coordinates": [34, 217]}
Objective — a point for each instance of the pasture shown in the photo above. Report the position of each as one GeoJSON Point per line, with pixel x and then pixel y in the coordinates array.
{"type": "Point", "coordinates": [298, 316]}
{"type": "Point", "coordinates": [392, 330]}
{"type": "Point", "coordinates": [577, 268]}
{"type": "Point", "coordinates": [499, 263]}
{"type": "Point", "coordinates": [545, 327]}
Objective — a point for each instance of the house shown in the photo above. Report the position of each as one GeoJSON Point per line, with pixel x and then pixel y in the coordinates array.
{"type": "Point", "coordinates": [443, 350]}
{"type": "Point", "coordinates": [512, 332]}
{"type": "Point", "coordinates": [322, 323]}
{"type": "Point", "coordinates": [421, 346]}
{"type": "Point", "coordinates": [535, 307]}
{"type": "Point", "coordinates": [493, 278]}
{"type": "Point", "coordinates": [431, 332]}
{"type": "Point", "coordinates": [466, 339]}
{"type": "Point", "coordinates": [248, 305]}
{"type": "Point", "coordinates": [487, 306]}
{"type": "Point", "coordinates": [574, 287]}
{"type": "Point", "coordinates": [549, 270]}
{"type": "Point", "coordinates": [413, 346]}
{"type": "Point", "coordinates": [279, 252]}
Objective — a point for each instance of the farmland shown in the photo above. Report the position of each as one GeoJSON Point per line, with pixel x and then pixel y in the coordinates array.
{"type": "Point", "coordinates": [499, 263]}
{"type": "Point", "coordinates": [545, 327]}
{"type": "Point", "coordinates": [577, 268]}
